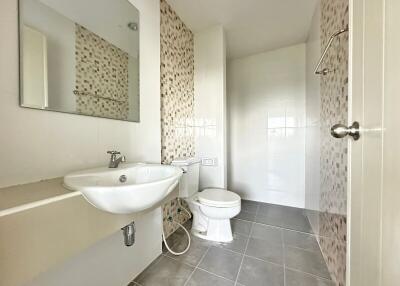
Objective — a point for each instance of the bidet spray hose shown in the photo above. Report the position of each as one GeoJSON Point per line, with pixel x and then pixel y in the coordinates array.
{"type": "Point", "coordinates": [167, 246]}
{"type": "Point", "coordinates": [187, 233]}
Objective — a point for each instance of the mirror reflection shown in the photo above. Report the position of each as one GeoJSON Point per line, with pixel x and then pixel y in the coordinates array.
{"type": "Point", "coordinates": [78, 59]}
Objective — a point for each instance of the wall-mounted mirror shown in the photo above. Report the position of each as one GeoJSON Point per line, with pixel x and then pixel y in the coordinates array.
{"type": "Point", "coordinates": [80, 56]}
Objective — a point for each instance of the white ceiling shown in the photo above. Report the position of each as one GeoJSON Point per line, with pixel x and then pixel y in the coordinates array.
{"type": "Point", "coordinates": [251, 26]}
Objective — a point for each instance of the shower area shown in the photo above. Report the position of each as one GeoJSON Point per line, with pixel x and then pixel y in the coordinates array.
{"type": "Point", "coordinates": [281, 108]}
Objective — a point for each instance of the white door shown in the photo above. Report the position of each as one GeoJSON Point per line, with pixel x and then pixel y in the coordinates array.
{"type": "Point", "coordinates": [373, 257]}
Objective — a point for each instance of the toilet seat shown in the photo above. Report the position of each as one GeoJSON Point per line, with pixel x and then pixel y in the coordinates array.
{"type": "Point", "coordinates": [218, 198]}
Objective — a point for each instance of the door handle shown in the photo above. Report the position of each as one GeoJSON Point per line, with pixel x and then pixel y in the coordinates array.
{"type": "Point", "coordinates": [341, 130]}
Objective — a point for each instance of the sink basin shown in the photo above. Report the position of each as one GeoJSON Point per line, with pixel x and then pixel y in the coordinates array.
{"type": "Point", "coordinates": [127, 189]}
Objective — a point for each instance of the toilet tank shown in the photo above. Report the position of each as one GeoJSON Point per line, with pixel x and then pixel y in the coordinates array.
{"type": "Point", "coordinates": [189, 182]}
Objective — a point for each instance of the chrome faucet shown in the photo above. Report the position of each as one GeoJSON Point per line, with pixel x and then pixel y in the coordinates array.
{"type": "Point", "coordinates": [114, 161]}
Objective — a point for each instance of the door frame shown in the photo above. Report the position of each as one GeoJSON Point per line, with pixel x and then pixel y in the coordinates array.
{"type": "Point", "coordinates": [365, 160]}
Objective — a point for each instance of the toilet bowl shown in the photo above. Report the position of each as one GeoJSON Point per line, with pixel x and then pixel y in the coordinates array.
{"type": "Point", "coordinates": [212, 208]}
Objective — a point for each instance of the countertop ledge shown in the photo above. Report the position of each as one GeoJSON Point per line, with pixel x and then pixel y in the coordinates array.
{"type": "Point", "coordinates": [19, 198]}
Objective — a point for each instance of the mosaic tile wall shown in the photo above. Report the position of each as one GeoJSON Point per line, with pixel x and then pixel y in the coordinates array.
{"type": "Point", "coordinates": [333, 161]}
{"type": "Point", "coordinates": [101, 76]}
{"type": "Point", "coordinates": [177, 97]}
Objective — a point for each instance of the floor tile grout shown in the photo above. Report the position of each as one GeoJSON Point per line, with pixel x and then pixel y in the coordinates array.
{"type": "Point", "coordinates": [148, 267]}
{"type": "Point", "coordinates": [245, 249]}
{"type": "Point", "coordinates": [214, 274]}
{"type": "Point", "coordinates": [280, 227]}
{"type": "Point", "coordinates": [313, 275]}
{"type": "Point", "coordinates": [243, 254]}
{"type": "Point", "coordinates": [201, 259]}
{"type": "Point", "coordinates": [284, 257]}
{"type": "Point", "coordinates": [263, 260]}
{"type": "Point", "coordinates": [302, 248]}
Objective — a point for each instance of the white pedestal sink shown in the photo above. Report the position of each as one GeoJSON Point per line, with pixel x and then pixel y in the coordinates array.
{"type": "Point", "coordinates": [127, 189]}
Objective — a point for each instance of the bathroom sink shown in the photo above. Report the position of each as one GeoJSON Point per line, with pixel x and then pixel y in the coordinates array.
{"type": "Point", "coordinates": [127, 189]}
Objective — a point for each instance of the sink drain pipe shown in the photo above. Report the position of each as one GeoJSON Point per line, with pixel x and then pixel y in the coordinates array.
{"type": "Point", "coordinates": [129, 234]}
{"type": "Point", "coordinates": [180, 207]}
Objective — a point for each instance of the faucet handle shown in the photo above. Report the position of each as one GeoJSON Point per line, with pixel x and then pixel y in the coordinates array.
{"type": "Point", "coordinates": [113, 152]}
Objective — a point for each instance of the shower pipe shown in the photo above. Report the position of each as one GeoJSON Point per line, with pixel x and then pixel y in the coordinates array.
{"type": "Point", "coordinates": [325, 71]}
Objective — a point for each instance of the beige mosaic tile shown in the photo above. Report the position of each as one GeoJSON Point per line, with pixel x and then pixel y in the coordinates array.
{"type": "Point", "coordinates": [101, 76]}
{"type": "Point", "coordinates": [177, 97]}
{"type": "Point", "coordinates": [334, 109]}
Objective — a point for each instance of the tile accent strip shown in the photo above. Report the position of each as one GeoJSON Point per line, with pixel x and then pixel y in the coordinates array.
{"type": "Point", "coordinates": [333, 160]}
{"type": "Point", "coordinates": [177, 97]}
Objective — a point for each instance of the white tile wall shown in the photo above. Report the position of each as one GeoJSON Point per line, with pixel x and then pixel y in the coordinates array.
{"type": "Point", "coordinates": [266, 108]}
{"type": "Point", "coordinates": [210, 105]}
{"type": "Point", "coordinates": [313, 122]}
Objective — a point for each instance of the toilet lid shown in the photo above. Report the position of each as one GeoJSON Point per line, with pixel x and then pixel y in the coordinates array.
{"type": "Point", "coordinates": [218, 198]}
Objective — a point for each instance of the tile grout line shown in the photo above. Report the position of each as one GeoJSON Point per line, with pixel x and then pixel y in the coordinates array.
{"type": "Point", "coordinates": [265, 261]}
{"type": "Point", "coordinates": [245, 249]}
{"type": "Point", "coordinates": [310, 274]}
{"type": "Point", "coordinates": [197, 266]}
{"type": "Point", "coordinates": [244, 255]}
{"type": "Point", "coordinates": [213, 274]}
{"type": "Point", "coordinates": [148, 267]}
{"type": "Point", "coordinates": [284, 257]}
{"type": "Point", "coordinates": [281, 227]}
{"type": "Point", "coordinates": [289, 268]}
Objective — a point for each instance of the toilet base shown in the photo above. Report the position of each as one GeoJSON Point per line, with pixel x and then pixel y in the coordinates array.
{"type": "Point", "coordinates": [218, 230]}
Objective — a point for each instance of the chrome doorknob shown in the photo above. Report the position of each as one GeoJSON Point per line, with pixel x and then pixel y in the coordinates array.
{"type": "Point", "coordinates": [341, 130]}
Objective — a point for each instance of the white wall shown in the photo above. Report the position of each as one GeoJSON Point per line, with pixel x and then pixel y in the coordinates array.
{"type": "Point", "coordinates": [210, 105]}
{"type": "Point", "coordinates": [60, 36]}
{"type": "Point", "coordinates": [266, 115]}
{"type": "Point", "coordinates": [39, 144]}
{"type": "Point", "coordinates": [313, 100]}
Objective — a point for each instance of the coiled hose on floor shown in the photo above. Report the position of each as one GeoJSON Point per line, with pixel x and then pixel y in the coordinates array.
{"type": "Point", "coordinates": [187, 233]}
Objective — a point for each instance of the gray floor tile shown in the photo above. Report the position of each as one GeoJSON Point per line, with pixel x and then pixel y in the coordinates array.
{"type": "Point", "coordinates": [295, 278]}
{"type": "Point", "coordinates": [300, 240]}
{"type": "Point", "coordinates": [249, 206]}
{"type": "Point", "coordinates": [193, 255]}
{"type": "Point", "coordinates": [238, 244]}
{"type": "Point", "coordinates": [144, 272]}
{"type": "Point", "coordinates": [265, 250]}
{"type": "Point", "coordinates": [306, 261]}
{"type": "Point", "coordinates": [270, 209]}
{"type": "Point", "coordinates": [246, 216]}
{"type": "Point", "coordinates": [165, 272]}
{"type": "Point", "coordinates": [300, 251]}
{"type": "Point", "coordinates": [222, 262]}
{"type": "Point", "coordinates": [259, 273]}
{"type": "Point", "coordinates": [289, 221]}
{"type": "Point", "coordinates": [241, 227]}
{"type": "Point", "coordinates": [272, 234]}
{"type": "Point", "coordinates": [203, 278]}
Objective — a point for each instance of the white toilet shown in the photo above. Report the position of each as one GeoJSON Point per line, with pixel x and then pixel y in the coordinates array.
{"type": "Point", "coordinates": [212, 208]}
